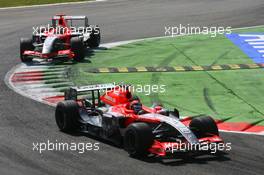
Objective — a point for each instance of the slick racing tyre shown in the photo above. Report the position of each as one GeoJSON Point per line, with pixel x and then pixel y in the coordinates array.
{"type": "Point", "coordinates": [95, 38]}
{"type": "Point", "coordinates": [25, 44]}
{"type": "Point", "coordinates": [77, 47]}
{"type": "Point", "coordinates": [138, 138]}
{"type": "Point", "coordinates": [67, 115]}
{"type": "Point", "coordinates": [204, 126]}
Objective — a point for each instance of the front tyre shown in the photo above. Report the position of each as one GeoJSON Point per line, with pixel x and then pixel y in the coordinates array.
{"type": "Point", "coordinates": [204, 126]}
{"type": "Point", "coordinates": [137, 139]}
{"type": "Point", "coordinates": [25, 44]}
{"type": "Point", "coordinates": [67, 115]}
{"type": "Point", "coordinates": [77, 48]}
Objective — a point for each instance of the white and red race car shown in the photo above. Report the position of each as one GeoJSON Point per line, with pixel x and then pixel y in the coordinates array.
{"type": "Point", "coordinates": [67, 37]}
{"type": "Point", "coordinates": [118, 116]}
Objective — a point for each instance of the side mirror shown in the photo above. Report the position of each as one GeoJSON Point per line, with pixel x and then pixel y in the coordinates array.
{"type": "Point", "coordinates": [70, 94]}
{"type": "Point", "coordinates": [88, 104]}
{"type": "Point", "coordinates": [175, 113]}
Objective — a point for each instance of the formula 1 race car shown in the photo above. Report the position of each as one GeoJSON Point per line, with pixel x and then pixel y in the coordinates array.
{"type": "Point", "coordinates": [111, 112]}
{"type": "Point", "coordinates": [67, 37]}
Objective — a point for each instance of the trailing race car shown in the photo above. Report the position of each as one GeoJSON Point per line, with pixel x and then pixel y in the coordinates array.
{"type": "Point", "coordinates": [66, 38]}
{"type": "Point", "coordinates": [117, 116]}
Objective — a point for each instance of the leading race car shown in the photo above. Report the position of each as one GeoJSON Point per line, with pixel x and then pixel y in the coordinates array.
{"type": "Point", "coordinates": [113, 113]}
{"type": "Point", "coordinates": [67, 37]}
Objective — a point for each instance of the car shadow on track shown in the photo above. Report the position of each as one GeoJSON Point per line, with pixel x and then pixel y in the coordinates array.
{"type": "Point", "coordinates": [81, 134]}
{"type": "Point", "coordinates": [187, 159]}
{"type": "Point", "coordinates": [176, 160]}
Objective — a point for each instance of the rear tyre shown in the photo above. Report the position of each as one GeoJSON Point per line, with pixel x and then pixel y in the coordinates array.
{"type": "Point", "coordinates": [25, 44]}
{"type": "Point", "coordinates": [67, 115]}
{"type": "Point", "coordinates": [95, 38]}
{"type": "Point", "coordinates": [138, 138]}
{"type": "Point", "coordinates": [77, 47]}
{"type": "Point", "coordinates": [204, 126]}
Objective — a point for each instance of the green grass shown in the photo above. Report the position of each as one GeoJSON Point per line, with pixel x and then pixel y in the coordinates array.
{"type": "Point", "coordinates": [8, 3]}
{"type": "Point", "coordinates": [233, 95]}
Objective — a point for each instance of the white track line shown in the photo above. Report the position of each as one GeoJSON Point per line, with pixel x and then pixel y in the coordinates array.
{"type": "Point", "coordinates": [48, 5]}
{"type": "Point", "coordinates": [240, 132]}
{"type": "Point", "coordinates": [114, 44]}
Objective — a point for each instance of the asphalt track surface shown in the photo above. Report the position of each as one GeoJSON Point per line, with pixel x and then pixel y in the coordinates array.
{"type": "Point", "coordinates": [24, 121]}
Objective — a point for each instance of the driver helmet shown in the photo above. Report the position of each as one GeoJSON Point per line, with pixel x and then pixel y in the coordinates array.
{"type": "Point", "coordinates": [136, 106]}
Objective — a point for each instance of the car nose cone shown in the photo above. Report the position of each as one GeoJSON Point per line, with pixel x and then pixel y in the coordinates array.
{"type": "Point", "coordinates": [48, 45]}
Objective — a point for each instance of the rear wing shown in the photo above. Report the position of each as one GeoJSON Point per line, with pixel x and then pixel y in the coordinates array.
{"type": "Point", "coordinates": [70, 17]}
{"type": "Point", "coordinates": [57, 17]}
{"type": "Point", "coordinates": [73, 92]}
